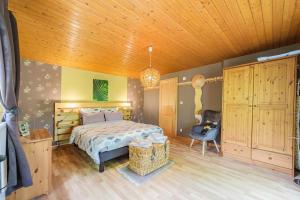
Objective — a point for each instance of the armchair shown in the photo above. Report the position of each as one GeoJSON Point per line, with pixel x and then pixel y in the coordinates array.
{"type": "Point", "coordinates": [207, 130]}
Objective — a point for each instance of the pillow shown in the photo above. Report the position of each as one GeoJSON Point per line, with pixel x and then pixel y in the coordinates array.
{"type": "Point", "coordinates": [95, 110]}
{"type": "Point", "coordinates": [89, 118]}
{"type": "Point", "coordinates": [109, 109]}
{"type": "Point", "coordinates": [113, 116]}
{"type": "Point", "coordinates": [90, 110]}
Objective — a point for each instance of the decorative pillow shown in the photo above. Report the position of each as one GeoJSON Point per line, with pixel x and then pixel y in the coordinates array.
{"type": "Point", "coordinates": [89, 118]}
{"type": "Point", "coordinates": [113, 116]}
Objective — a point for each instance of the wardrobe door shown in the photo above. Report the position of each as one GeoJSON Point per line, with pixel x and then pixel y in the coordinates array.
{"type": "Point", "coordinates": [237, 111]}
{"type": "Point", "coordinates": [273, 107]}
{"type": "Point", "coordinates": [168, 106]}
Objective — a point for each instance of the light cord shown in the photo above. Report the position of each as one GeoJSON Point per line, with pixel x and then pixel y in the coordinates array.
{"type": "Point", "coordinates": [150, 55]}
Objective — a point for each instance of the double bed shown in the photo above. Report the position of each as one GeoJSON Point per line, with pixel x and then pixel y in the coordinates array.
{"type": "Point", "coordinates": [102, 129]}
{"type": "Point", "coordinates": [104, 141]}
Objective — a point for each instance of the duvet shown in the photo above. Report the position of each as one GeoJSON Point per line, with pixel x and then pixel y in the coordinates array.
{"type": "Point", "coordinates": [110, 135]}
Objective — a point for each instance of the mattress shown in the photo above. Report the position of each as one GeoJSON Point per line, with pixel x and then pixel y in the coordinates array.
{"type": "Point", "coordinates": [107, 136]}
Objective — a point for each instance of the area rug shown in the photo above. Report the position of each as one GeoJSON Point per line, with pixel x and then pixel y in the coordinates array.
{"type": "Point", "coordinates": [139, 180]}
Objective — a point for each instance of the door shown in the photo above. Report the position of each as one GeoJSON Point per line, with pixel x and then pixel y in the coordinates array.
{"type": "Point", "coordinates": [237, 110]}
{"type": "Point", "coordinates": [168, 106]}
{"type": "Point", "coordinates": [273, 105]}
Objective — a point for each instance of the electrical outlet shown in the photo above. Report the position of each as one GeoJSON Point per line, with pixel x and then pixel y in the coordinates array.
{"type": "Point", "coordinates": [180, 130]}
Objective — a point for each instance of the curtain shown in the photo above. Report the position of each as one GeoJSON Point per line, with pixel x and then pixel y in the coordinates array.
{"type": "Point", "coordinates": [18, 169]}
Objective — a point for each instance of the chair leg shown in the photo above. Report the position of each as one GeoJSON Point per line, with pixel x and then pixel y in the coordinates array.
{"type": "Point", "coordinates": [203, 147]}
{"type": "Point", "coordinates": [217, 146]}
{"type": "Point", "coordinates": [192, 143]}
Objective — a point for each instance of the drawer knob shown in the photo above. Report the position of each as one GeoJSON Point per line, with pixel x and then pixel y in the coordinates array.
{"type": "Point", "coordinates": [234, 150]}
{"type": "Point", "coordinates": [270, 158]}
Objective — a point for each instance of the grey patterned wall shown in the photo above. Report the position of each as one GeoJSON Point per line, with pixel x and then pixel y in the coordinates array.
{"type": "Point", "coordinates": [40, 87]}
{"type": "Point", "coordinates": [135, 93]}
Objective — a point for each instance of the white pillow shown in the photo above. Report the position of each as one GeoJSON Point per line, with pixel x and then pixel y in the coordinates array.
{"type": "Point", "coordinates": [108, 109]}
{"type": "Point", "coordinates": [90, 118]}
{"type": "Point", "coordinates": [90, 110]}
{"type": "Point", "coordinates": [113, 116]}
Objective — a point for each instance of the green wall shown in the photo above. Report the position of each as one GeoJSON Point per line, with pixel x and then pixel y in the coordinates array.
{"type": "Point", "coordinates": [77, 85]}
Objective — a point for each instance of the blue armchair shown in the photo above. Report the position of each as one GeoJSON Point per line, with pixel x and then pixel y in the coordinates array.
{"type": "Point", "coordinates": [207, 130]}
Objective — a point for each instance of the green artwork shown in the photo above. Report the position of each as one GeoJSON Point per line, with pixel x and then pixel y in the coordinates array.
{"type": "Point", "coordinates": [100, 90]}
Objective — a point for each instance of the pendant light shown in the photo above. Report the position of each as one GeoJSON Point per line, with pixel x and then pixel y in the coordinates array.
{"type": "Point", "coordinates": [150, 76]}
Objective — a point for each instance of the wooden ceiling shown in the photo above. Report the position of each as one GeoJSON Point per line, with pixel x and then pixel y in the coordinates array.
{"type": "Point", "coordinates": [112, 36]}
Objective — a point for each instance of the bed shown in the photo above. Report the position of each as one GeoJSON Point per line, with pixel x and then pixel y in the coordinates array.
{"type": "Point", "coordinates": [104, 141]}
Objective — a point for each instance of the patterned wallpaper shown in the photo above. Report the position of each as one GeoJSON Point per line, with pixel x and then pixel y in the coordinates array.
{"type": "Point", "coordinates": [40, 87]}
{"type": "Point", "coordinates": [135, 93]}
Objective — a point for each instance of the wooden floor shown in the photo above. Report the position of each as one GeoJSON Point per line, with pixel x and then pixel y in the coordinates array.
{"type": "Point", "coordinates": [191, 177]}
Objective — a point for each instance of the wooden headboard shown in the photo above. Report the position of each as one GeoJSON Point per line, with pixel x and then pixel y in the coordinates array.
{"type": "Point", "coordinates": [67, 115]}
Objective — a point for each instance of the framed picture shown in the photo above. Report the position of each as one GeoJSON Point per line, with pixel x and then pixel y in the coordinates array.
{"type": "Point", "coordinates": [100, 90]}
{"type": "Point", "coordinates": [24, 128]}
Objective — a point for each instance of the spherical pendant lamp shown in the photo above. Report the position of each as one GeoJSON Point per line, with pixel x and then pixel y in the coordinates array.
{"type": "Point", "coordinates": [150, 76]}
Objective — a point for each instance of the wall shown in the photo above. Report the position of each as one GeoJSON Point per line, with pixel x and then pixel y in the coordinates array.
{"type": "Point", "coordinates": [151, 106]}
{"type": "Point", "coordinates": [212, 93]}
{"type": "Point", "coordinates": [42, 84]}
{"type": "Point", "coordinates": [135, 94]}
{"type": "Point", "coordinates": [40, 87]}
{"type": "Point", "coordinates": [77, 85]}
{"type": "Point", "coordinates": [253, 57]}
{"type": "Point", "coordinates": [211, 97]}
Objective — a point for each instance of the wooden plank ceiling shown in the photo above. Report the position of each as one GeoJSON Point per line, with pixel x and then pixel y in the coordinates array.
{"type": "Point", "coordinates": [112, 36]}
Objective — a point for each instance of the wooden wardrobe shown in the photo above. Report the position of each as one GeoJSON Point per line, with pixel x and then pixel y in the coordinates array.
{"type": "Point", "coordinates": [259, 113]}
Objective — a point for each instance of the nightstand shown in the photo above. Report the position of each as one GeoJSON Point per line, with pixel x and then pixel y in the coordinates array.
{"type": "Point", "coordinates": [38, 149]}
{"type": "Point", "coordinates": [127, 113]}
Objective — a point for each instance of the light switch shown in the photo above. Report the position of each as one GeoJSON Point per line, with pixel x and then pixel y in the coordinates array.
{"type": "Point", "coordinates": [184, 78]}
{"type": "Point", "coordinates": [180, 130]}
{"type": "Point", "coordinates": [181, 102]}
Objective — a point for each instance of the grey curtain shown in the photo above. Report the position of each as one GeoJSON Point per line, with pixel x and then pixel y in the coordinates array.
{"type": "Point", "coordinates": [18, 169]}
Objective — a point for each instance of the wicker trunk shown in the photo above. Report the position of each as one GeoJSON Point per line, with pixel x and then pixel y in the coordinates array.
{"type": "Point", "coordinates": [145, 160]}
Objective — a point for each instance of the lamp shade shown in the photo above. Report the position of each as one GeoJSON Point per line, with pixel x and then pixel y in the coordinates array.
{"type": "Point", "coordinates": [150, 77]}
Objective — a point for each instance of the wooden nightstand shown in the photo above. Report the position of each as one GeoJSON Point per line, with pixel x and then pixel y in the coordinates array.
{"type": "Point", "coordinates": [127, 113]}
{"type": "Point", "coordinates": [38, 150]}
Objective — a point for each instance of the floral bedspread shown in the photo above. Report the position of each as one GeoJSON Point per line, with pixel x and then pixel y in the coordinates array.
{"type": "Point", "coordinates": [106, 136]}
